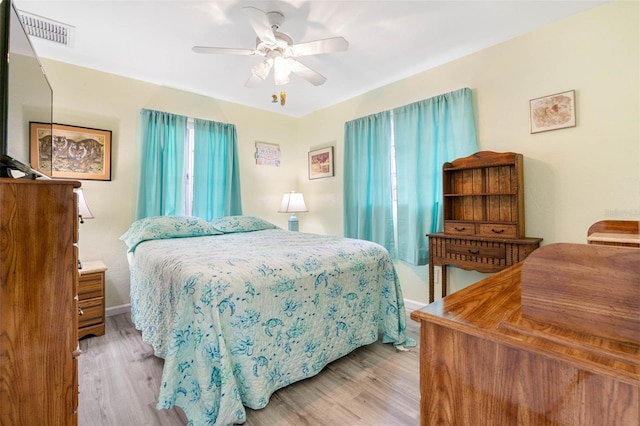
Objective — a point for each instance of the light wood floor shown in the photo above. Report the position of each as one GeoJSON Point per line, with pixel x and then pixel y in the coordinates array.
{"type": "Point", "coordinates": [375, 385]}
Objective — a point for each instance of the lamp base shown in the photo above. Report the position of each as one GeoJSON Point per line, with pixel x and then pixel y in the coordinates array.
{"type": "Point", "coordinates": [293, 222]}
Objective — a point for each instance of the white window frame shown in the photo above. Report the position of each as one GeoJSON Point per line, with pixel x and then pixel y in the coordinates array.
{"type": "Point", "coordinates": [394, 187]}
{"type": "Point", "coordinates": [188, 168]}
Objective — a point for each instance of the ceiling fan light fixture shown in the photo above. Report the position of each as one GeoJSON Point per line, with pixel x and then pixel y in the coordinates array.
{"type": "Point", "coordinates": [281, 70]}
{"type": "Point", "coordinates": [281, 80]}
{"type": "Point", "coordinates": [262, 69]}
{"type": "Point", "coordinates": [278, 50]}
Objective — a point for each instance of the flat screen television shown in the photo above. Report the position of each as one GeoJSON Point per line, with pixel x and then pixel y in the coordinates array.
{"type": "Point", "coordinates": [25, 95]}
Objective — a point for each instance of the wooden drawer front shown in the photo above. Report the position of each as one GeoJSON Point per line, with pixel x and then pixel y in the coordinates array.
{"type": "Point", "coordinates": [477, 250]}
{"type": "Point", "coordinates": [483, 256]}
{"type": "Point", "coordinates": [91, 285]}
{"type": "Point", "coordinates": [459, 228]}
{"type": "Point", "coordinates": [92, 312]}
{"type": "Point", "coordinates": [497, 230]}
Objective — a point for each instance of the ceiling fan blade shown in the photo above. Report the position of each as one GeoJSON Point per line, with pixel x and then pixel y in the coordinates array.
{"type": "Point", "coordinates": [224, 50]}
{"type": "Point", "coordinates": [307, 73]}
{"type": "Point", "coordinates": [260, 24]}
{"type": "Point", "coordinates": [327, 45]}
{"type": "Point", "coordinates": [252, 81]}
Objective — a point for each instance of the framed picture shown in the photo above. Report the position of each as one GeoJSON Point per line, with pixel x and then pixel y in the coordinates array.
{"type": "Point", "coordinates": [321, 163]}
{"type": "Point", "coordinates": [553, 112]}
{"type": "Point", "coordinates": [71, 152]}
{"type": "Point", "coordinates": [267, 154]}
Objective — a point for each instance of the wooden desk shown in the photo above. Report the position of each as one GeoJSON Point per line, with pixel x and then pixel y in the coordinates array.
{"type": "Point", "coordinates": [623, 233]}
{"type": "Point", "coordinates": [483, 362]}
{"type": "Point", "coordinates": [474, 253]}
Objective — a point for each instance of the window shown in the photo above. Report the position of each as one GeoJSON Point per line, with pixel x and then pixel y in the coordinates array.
{"type": "Point", "coordinates": [189, 167]}
{"type": "Point", "coordinates": [414, 141]}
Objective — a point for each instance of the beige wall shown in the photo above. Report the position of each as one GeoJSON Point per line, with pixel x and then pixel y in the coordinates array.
{"type": "Point", "coordinates": [573, 177]}
{"type": "Point", "coordinates": [89, 98]}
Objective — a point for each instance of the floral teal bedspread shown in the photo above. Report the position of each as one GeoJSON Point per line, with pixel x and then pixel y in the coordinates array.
{"type": "Point", "coordinates": [237, 316]}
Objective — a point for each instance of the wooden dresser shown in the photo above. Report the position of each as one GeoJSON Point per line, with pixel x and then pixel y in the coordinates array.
{"type": "Point", "coordinates": [554, 340]}
{"type": "Point", "coordinates": [38, 304]}
{"type": "Point", "coordinates": [483, 197]}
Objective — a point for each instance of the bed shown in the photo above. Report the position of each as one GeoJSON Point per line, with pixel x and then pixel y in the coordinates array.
{"type": "Point", "coordinates": [239, 308]}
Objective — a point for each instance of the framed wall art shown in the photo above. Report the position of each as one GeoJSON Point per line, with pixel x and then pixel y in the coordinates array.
{"type": "Point", "coordinates": [267, 154]}
{"type": "Point", "coordinates": [553, 112]}
{"type": "Point", "coordinates": [321, 163]}
{"type": "Point", "coordinates": [70, 152]}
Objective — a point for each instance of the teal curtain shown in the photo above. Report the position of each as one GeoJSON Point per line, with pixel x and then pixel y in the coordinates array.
{"type": "Point", "coordinates": [161, 187]}
{"type": "Point", "coordinates": [427, 134]}
{"type": "Point", "coordinates": [368, 197]}
{"type": "Point", "coordinates": [216, 179]}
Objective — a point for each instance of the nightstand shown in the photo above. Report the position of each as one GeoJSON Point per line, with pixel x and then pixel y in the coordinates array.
{"type": "Point", "coordinates": [91, 299]}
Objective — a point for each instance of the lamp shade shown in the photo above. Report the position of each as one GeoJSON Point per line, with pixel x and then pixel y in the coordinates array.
{"type": "Point", "coordinates": [83, 207]}
{"type": "Point", "coordinates": [292, 202]}
{"type": "Point", "coordinates": [281, 70]}
{"type": "Point", "coordinates": [262, 69]}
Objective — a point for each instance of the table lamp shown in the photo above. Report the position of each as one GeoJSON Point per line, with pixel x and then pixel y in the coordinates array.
{"type": "Point", "coordinates": [293, 202]}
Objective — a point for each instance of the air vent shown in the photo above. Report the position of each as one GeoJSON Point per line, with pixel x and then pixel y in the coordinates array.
{"type": "Point", "coordinates": [47, 29]}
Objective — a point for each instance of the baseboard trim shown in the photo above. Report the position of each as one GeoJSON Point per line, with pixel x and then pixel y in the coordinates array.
{"type": "Point", "coordinates": [412, 305]}
{"type": "Point", "coordinates": [116, 310]}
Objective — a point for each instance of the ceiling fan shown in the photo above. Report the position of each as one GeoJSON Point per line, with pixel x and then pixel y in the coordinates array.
{"type": "Point", "coordinates": [278, 50]}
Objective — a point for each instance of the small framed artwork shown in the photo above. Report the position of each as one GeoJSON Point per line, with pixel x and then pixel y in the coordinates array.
{"type": "Point", "coordinates": [321, 163]}
{"type": "Point", "coordinates": [267, 154]}
{"type": "Point", "coordinates": [553, 112]}
{"type": "Point", "coordinates": [70, 152]}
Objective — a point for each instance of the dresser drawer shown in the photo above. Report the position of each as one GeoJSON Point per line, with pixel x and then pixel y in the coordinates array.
{"type": "Point", "coordinates": [460, 228]}
{"type": "Point", "coordinates": [91, 285]}
{"type": "Point", "coordinates": [495, 251]}
{"type": "Point", "coordinates": [497, 230]}
{"type": "Point", "coordinates": [92, 312]}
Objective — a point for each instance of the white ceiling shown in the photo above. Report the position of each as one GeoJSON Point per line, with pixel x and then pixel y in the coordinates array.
{"type": "Point", "coordinates": [389, 40]}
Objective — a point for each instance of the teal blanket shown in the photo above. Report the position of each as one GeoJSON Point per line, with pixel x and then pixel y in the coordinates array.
{"type": "Point", "coordinates": [238, 316]}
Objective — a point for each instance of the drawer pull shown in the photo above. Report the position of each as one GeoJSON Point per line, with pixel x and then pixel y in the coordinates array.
{"type": "Point", "coordinates": [459, 229]}
{"type": "Point", "coordinates": [474, 251]}
{"type": "Point", "coordinates": [497, 231]}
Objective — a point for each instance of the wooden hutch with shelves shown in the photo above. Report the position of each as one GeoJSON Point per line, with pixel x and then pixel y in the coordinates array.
{"type": "Point", "coordinates": [484, 229]}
